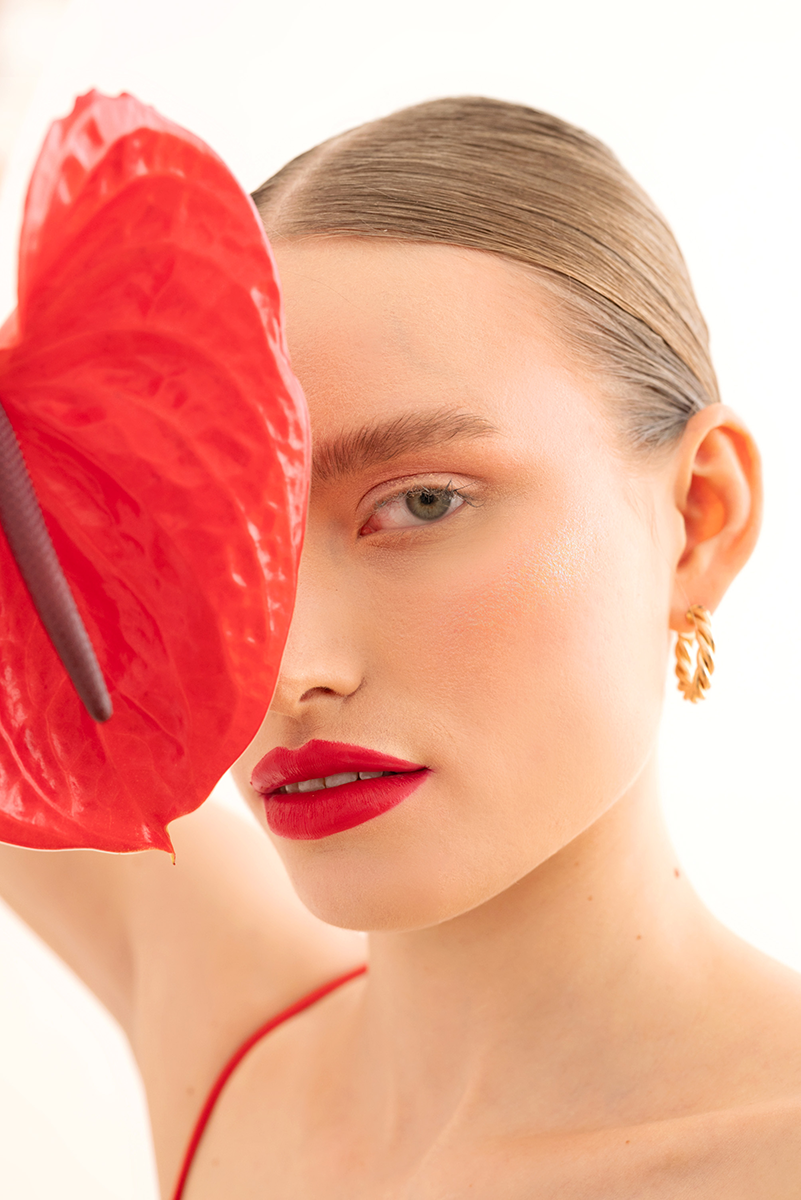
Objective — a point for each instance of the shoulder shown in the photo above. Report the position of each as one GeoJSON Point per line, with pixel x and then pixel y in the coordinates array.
{"type": "Point", "coordinates": [740, 1134]}
{"type": "Point", "coordinates": [740, 1153]}
{"type": "Point", "coordinates": [220, 944]}
{"type": "Point", "coordinates": [744, 1139]}
{"type": "Point", "coordinates": [737, 1154]}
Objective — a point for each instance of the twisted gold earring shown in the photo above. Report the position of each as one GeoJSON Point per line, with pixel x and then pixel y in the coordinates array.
{"type": "Point", "coordinates": [694, 688]}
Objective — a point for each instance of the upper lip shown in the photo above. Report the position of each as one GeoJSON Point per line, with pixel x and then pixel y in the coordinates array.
{"type": "Point", "coordinates": [317, 759]}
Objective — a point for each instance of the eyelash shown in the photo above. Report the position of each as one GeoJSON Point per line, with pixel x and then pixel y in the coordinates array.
{"type": "Point", "coordinates": [450, 492]}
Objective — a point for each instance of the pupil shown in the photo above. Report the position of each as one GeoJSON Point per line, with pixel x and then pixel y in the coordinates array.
{"type": "Point", "coordinates": [428, 505]}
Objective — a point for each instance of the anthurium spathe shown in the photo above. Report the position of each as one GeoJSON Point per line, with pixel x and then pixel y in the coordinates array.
{"type": "Point", "coordinates": [146, 378]}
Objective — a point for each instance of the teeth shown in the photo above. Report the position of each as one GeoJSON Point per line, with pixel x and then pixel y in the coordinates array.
{"type": "Point", "coordinates": [311, 785]}
{"type": "Point", "coordinates": [330, 781]}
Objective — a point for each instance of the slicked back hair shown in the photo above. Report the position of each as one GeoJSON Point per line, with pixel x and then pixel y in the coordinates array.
{"type": "Point", "coordinates": [509, 180]}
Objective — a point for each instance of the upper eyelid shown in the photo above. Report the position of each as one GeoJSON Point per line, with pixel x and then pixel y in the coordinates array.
{"type": "Point", "coordinates": [409, 491]}
{"type": "Point", "coordinates": [463, 493]}
{"type": "Point", "coordinates": [412, 483]}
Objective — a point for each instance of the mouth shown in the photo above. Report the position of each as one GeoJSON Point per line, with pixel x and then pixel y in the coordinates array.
{"type": "Point", "coordinates": [330, 781]}
{"type": "Point", "coordinates": [327, 787]}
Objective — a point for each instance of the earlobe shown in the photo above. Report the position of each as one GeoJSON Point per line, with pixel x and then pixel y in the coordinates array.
{"type": "Point", "coordinates": [718, 494]}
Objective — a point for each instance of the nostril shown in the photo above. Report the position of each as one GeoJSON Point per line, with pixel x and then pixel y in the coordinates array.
{"type": "Point", "coordinates": [319, 691]}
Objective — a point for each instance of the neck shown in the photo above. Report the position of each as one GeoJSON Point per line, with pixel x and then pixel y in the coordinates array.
{"type": "Point", "coordinates": [546, 996]}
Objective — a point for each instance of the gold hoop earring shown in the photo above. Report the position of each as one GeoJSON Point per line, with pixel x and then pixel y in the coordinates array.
{"type": "Point", "coordinates": [695, 687]}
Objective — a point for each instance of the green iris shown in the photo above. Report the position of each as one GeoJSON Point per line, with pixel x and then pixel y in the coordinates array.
{"type": "Point", "coordinates": [428, 505]}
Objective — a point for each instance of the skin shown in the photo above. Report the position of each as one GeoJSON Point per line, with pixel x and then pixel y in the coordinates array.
{"type": "Point", "coordinates": [496, 644]}
{"type": "Point", "coordinates": [538, 928]}
{"type": "Point", "coordinates": [550, 1010]}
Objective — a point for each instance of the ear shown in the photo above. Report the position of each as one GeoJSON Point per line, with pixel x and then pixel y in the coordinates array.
{"type": "Point", "coordinates": [718, 494]}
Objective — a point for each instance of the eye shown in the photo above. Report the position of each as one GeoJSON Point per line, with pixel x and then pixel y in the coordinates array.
{"type": "Point", "coordinates": [417, 506]}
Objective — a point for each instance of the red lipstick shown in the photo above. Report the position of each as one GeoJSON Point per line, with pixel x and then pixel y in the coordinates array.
{"type": "Point", "coordinates": [305, 813]}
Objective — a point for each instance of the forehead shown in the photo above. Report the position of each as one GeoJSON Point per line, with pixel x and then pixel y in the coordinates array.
{"type": "Point", "coordinates": [379, 328]}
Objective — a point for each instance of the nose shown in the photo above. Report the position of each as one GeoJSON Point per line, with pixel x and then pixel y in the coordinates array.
{"type": "Point", "coordinates": [321, 661]}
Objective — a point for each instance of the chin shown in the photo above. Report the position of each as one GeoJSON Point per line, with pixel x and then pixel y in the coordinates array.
{"type": "Point", "coordinates": [392, 875]}
{"type": "Point", "coordinates": [356, 888]}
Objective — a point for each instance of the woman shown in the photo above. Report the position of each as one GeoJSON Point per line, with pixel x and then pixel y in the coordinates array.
{"type": "Point", "coordinates": [525, 485]}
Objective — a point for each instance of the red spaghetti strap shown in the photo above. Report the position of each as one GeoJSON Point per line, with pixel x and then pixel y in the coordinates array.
{"type": "Point", "coordinates": [235, 1060]}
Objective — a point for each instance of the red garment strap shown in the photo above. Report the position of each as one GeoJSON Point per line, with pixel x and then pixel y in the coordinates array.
{"type": "Point", "coordinates": [236, 1059]}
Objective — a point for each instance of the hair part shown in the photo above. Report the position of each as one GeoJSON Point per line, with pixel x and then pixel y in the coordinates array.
{"type": "Point", "coordinates": [511, 181]}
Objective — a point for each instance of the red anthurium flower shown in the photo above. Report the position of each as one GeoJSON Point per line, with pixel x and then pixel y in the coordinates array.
{"type": "Point", "coordinates": [146, 378]}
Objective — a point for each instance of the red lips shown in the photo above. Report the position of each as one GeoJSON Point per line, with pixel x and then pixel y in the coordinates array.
{"type": "Point", "coordinates": [305, 816]}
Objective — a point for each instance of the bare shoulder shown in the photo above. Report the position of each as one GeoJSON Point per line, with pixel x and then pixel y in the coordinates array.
{"type": "Point", "coordinates": [744, 1138]}
{"type": "Point", "coordinates": [724, 1119]}
{"type": "Point", "coordinates": [754, 1019]}
{"type": "Point", "coordinates": [737, 1154]}
{"type": "Point", "coordinates": [220, 943]}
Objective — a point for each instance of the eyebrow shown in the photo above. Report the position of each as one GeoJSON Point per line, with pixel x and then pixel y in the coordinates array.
{"type": "Point", "coordinates": [355, 451]}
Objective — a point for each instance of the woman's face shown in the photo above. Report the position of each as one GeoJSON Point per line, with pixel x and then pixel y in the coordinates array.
{"type": "Point", "coordinates": [488, 597]}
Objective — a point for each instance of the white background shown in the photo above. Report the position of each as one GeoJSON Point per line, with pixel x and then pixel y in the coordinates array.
{"type": "Point", "coordinates": [700, 99]}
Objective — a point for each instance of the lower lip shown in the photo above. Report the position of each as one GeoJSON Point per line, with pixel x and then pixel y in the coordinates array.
{"type": "Point", "coordinates": [307, 816]}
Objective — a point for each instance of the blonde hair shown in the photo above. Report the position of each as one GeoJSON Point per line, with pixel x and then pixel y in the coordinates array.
{"type": "Point", "coordinates": [512, 181]}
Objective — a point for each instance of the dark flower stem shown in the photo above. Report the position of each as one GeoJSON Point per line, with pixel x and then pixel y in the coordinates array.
{"type": "Point", "coordinates": [24, 526]}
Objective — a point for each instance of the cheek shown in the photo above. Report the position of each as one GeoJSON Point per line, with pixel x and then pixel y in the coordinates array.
{"type": "Point", "coordinates": [519, 594]}
{"type": "Point", "coordinates": [527, 668]}
{"type": "Point", "coordinates": [507, 607]}
{"type": "Point", "coordinates": [541, 665]}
